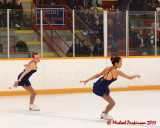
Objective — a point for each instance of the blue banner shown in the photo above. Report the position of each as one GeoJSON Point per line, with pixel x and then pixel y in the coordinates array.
{"type": "Point", "coordinates": [51, 15]}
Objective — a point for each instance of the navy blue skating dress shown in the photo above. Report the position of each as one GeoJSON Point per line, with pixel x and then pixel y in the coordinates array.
{"type": "Point", "coordinates": [101, 85]}
{"type": "Point", "coordinates": [25, 79]}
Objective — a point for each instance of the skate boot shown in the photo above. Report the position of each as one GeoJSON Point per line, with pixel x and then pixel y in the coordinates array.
{"type": "Point", "coordinates": [14, 86]}
{"type": "Point", "coordinates": [106, 116]}
{"type": "Point", "coordinates": [33, 107]}
{"type": "Point", "coordinates": [102, 115]}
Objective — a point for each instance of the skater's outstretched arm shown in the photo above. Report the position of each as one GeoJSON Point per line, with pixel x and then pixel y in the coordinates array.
{"type": "Point", "coordinates": [120, 73]}
{"type": "Point", "coordinates": [94, 77]}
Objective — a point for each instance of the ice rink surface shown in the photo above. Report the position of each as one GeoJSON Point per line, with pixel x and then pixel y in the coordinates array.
{"type": "Point", "coordinates": [80, 110]}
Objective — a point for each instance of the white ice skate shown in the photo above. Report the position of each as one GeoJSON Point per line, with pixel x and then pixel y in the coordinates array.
{"type": "Point", "coordinates": [14, 86]}
{"type": "Point", "coordinates": [102, 115]}
{"type": "Point", "coordinates": [33, 107]}
{"type": "Point", "coordinates": [106, 116]}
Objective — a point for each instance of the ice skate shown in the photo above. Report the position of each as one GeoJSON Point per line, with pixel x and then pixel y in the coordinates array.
{"type": "Point", "coordinates": [33, 107]}
{"type": "Point", "coordinates": [14, 86]}
{"type": "Point", "coordinates": [102, 115]}
{"type": "Point", "coordinates": [106, 116]}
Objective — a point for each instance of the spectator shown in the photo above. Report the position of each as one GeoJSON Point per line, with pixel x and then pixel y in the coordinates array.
{"type": "Point", "coordinates": [138, 40]}
{"type": "Point", "coordinates": [144, 47]}
{"type": "Point", "coordinates": [119, 22]}
{"type": "Point", "coordinates": [123, 5]}
{"type": "Point", "coordinates": [152, 5]}
{"type": "Point", "coordinates": [98, 48]}
{"type": "Point", "coordinates": [96, 3]}
{"type": "Point", "coordinates": [21, 46]}
{"type": "Point", "coordinates": [1, 3]}
{"type": "Point", "coordinates": [116, 29]}
{"type": "Point", "coordinates": [3, 17]}
{"type": "Point", "coordinates": [132, 33]}
{"type": "Point", "coordinates": [95, 15]}
{"type": "Point", "coordinates": [110, 40]}
{"type": "Point", "coordinates": [110, 26]}
{"type": "Point", "coordinates": [51, 2]}
{"type": "Point", "coordinates": [78, 49]}
{"type": "Point", "coordinates": [150, 39]}
{"type": "Point", "coordinates": [134, 24]}
{"type": "Point", "coordinates": [143, 5]}
{"type": "Point", "coordinates": [101, 16]}
{"type": "Point", "coordinates": [9, 5]}
{"type": "Point", "coordinates": [111, 15]}
{"type": "Point", "coordinates": [156, 4]}
{"type": "Point", "coordinates": [134, 5]}
{"type": "Point", "coordinates": [41, 2]}
{"type": "Point", "coordinates": [72, 4]}
{"type": "Point", "coordinates": [19, 12]}
{"type": "Point", "coordinates": [114, 48]}
{"type": "Point", "coordinates": [149, 5]}
{"type": "Point", "coordinates": [107, 10]}
{"type": "Point", "coordinates": [97, 30]}
{"type": "Point", "coordinates": [118, 16]}
{"type": "Point", "coordinates": [86, 51]}
{"type": "Point", "coordinates": [82, 4]}
{"type": "Point", "coordinates": [86, 18]}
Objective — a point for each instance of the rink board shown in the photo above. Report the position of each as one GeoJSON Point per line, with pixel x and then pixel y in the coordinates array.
{"type": "Point", "coordinates": [63, 75]}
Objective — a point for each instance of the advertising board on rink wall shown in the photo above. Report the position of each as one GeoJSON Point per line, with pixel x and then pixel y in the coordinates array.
{"type": "Point", "coordinates": [53, 15]}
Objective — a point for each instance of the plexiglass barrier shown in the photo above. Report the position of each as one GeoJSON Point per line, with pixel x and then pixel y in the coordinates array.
{"type": "Point", "coordinates": [62, 32]}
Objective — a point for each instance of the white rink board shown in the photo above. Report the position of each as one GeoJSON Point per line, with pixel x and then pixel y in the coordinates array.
{"type": "Point", "coordinates": [67, 73]}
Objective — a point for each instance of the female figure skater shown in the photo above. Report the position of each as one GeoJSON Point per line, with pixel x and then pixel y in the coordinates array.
{"type": "Point", "coordinates": [100, 87]}
{"type": "Point", "coordinates": [23, 80]}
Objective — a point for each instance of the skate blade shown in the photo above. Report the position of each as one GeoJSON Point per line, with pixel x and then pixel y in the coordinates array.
{"type": "Point", "coordinates": [33, 109]}
{"type": "Point", "coordinates": [12, 87]}
{"type": "Point", "coordinates": [109, 119]}
{"type": "Point", "coordinates": [105, 118]}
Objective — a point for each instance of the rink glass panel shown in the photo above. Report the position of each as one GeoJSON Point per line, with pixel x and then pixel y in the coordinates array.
{"type": "Point", "coordinates": [116, 45]}
{"type": "Point", "coordinates": [142, 33]}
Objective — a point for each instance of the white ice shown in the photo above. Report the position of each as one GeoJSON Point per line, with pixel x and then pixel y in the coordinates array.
{"type": "Point", "coordinates": [80, 110]}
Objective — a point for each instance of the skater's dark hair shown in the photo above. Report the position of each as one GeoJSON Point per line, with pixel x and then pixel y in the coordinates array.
{"type": "Point", "coordinates": [34, 53]}
{"type": "Point", "coordinates": [115, 59]}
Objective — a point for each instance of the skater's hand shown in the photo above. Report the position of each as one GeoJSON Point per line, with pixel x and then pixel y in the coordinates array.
{"type": "Point", "coordinates": [25, 65]}
{"type": "Point", "coordinates": [17, 81]}
{"type": "Point", "coordinates": [15, 84]}
{"type": "Point", "coordinates": [84, 82]}
{"type": "Point", "coordinates": [138, 76]}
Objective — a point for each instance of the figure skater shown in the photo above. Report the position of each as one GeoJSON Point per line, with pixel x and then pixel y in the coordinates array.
{"type": "Point", "coordinates": [100, 88]}
{"type": "Point", "coordinates": [23, 80]}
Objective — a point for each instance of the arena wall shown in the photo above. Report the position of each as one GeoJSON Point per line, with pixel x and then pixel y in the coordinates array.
{"type": "Point", "coordinates": [64, 73]}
